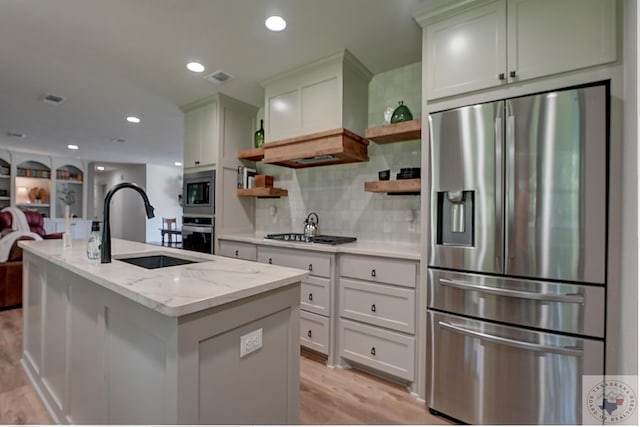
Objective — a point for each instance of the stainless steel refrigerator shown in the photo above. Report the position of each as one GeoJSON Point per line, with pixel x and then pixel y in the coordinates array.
{"type": "Point", "coordinates": [517, 264]}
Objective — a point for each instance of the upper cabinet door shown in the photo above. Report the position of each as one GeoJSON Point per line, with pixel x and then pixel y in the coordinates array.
{"type": "Point", "coordinates": [552, 36]}
{"type": "Point", "coordinates": [201, 136]}
{"type": "Point", "coordinates": [466, 51]}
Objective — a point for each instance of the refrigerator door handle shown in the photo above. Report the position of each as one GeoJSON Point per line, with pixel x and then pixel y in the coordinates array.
{"type": "Point", "coordinates": [499, 132]}
{"type": "Point", "coordinates": [510, 191]}
{"type": "Point", "coordinates": [567, 298]}
{"type": "Point", "coordinates": [567, 351]}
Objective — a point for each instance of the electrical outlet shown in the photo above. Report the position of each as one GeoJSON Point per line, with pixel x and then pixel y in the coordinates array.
{"type": "Point", "coordinates": [250, 342]}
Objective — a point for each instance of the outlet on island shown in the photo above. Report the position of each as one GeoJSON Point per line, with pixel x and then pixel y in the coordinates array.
{"type": "Point", "coordinates": [250, 342]}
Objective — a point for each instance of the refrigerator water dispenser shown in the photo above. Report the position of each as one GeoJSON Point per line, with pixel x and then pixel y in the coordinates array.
{"type": "Point", "coordinates": [455, 218]}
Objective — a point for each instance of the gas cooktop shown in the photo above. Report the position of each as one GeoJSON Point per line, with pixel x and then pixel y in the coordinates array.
{"type": "Point", "coordinates": [299, 237]}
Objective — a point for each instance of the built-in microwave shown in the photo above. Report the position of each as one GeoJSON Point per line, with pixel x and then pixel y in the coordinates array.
{"type": "Point", "coordinates": [198, 193]}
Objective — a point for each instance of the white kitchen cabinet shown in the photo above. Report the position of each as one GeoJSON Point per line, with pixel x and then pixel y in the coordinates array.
{"type": "Point", "coordinates": [241, 250]}
{"type": "Point", "coordinates": [316, 294]}
{"type": "Point", "coordinates": [327, 94]}
{"type": "Point", "coordinates": [377, 306]}
{"type": "Point", "coordinates": [314, 331]}
{"type": "Point", "coordinates": [470, 46]}
{"type": "Point", "coordinates": [391, 307]}
{"type": "Point", "coordinates": [377, 348]}
{"type": "Point", "coordinates": [201, 135]}
{"type": "Point", "coordinates": [215, 129]}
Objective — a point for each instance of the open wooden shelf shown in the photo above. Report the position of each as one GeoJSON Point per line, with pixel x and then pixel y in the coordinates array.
{"type": "Point", "coordinates": [394, 186]}
{"type": "Point", "coordinates": [262, 192]}
{"type": "Point", "coordinates": [252, 154]}
{"type": "Point", "coordinates": [395, 132]}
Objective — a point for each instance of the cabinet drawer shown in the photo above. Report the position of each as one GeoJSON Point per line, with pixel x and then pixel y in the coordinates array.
{"type": "Point", "coordinates": [377, 348]}
{"type": "Point", "coordinates": [316, 263]}
{"type": "Point", "coordinates": [381, 305]}
{"type": "Point", "coordinates": [382, 270]}
{"type": "Point", "coordinates": [240, 250]}
{"type": "Point", "coordinates": [314, 332]}
{"type": "Point", "coordinates": [315, 296]}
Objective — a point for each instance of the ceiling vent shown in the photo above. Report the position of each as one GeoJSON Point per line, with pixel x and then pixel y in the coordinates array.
{"type": "Point", "coordinates": [119, 140]}
{"type": "Point", "coordinates": [16, 135]}
{"type": "Point", "coordinates": [50, 98]}
{"type": "Point", "coordinates": [218, 77]}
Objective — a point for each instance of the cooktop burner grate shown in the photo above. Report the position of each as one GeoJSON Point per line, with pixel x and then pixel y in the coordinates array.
{"type": "Point", "coordinates": [299, 237]}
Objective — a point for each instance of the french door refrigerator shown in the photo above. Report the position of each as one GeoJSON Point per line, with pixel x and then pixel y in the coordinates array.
{"type": "Point", "coordinates": [517, 264]}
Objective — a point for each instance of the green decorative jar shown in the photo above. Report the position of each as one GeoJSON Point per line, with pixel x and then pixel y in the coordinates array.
{"type": "Point", "coordinates": [401, 113]}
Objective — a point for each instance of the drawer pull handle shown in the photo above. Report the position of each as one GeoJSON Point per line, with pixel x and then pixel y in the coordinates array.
{"type": "Point", "coordinates": [373, 273]}
{"type": "Point", "coordinates": [310, 297]}
{"type": "Point", "coordinates": [373, 308]}
{"type": "Point", "coordinates": [236, 252]}
{"type": "Point", "coordinates": [270, 261]}
{"type": "Point", "coordinates": [309, 333]}
{"type": "Point", "coordinates": [373, 351]}
{"type": "Point", "coordinates": [512, 74]}
{"type": "Point", "coordinates": [310, 267]}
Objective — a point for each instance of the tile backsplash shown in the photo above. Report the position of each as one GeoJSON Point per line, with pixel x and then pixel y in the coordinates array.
{"type": "Point", "coordinates": [336, 193]}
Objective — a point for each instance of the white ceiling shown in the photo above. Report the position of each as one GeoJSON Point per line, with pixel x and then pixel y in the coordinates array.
{"type": "Point", "coordinates": [114, 58]}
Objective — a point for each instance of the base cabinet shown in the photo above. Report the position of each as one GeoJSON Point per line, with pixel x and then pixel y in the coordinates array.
{"type": "Point", "coordinates": [314, 331]}
{"type": "Point", "coordinates": [316, 294]}
{"type": "Point", "coordinates": [241, 250]}
{"type": "Point", "coordinates": [377, 307]}
{"type": "Point", "coordinates": [99, 358]}
{"type": "Point", "coordinates": [378, 348]}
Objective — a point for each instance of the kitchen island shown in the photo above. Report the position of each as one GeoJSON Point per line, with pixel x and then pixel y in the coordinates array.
{"type": "Point", "coordinates": [212, 342]}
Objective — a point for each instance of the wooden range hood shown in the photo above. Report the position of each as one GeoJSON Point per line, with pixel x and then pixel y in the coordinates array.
{"type": "Point", "coordinates": [330, 147]}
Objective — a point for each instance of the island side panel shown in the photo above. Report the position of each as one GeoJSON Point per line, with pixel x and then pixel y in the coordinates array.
{"type": "Point", "coordinates": [218, 386]}
{"type": "Point", "coordinates": [96, 357]}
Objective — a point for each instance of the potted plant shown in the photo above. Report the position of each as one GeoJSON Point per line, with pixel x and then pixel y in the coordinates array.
{"type": "Point", "coordinates": [68, 197]}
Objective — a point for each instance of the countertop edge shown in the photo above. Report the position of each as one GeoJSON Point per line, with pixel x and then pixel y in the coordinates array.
{"type": "Point", "coordinates": [411, 252]}
{"type": "Point", "coordinates": [291, 277]}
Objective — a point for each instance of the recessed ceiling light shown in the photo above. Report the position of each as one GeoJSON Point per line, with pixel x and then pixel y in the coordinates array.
{"type": "Point", "coordinates": [275, 23]}
{"type": "Point", "coordinates": [72, 147]}
{"type": "Point", "coordinates": [133, 119]}
{"type": "Point", "coordinates": [177, 164]}
{"type": "Point", "coordinates": [100, 168]}
{"type": "Point", "coordinates": [196, 67]}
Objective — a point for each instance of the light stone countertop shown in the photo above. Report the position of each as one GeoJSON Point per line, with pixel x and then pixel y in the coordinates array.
{"type": "Point", "coordinates": [173, 291]}
{"type": "Point", "coordinates": [383, 249]}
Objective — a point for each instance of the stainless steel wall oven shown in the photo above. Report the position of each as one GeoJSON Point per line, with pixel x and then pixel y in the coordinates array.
{"type": "Point", "coordinates": [198, 234]}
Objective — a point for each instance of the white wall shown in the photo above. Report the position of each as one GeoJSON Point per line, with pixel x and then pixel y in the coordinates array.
{"type": "Point", "coordinates": [164, 184]}
{"type": "Point", "coordinates": [628, 362]}
{"type": "Point", "coordinates": [128, 217]}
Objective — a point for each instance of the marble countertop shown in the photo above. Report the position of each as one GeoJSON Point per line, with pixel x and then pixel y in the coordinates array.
{"type": "Point", "coordinates": [384, 249]}
{"type": "Point", "coordinates": [172, 291]}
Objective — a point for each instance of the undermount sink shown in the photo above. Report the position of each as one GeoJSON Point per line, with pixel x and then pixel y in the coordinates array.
{"type": "Point", "coordinates": [156, 261]}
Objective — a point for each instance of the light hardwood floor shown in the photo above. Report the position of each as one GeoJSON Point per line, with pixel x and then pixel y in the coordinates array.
{"type": "Point", "coordinates": [327, 396]}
